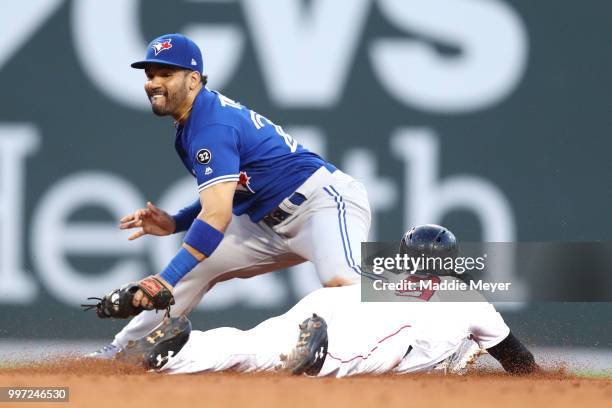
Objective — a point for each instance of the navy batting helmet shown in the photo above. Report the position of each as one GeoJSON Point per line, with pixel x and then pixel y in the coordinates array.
{"type": "Point", "coordinates": [429, 240]}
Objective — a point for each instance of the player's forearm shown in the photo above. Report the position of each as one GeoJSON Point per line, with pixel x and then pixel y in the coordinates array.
{"type": "Point", "coordinates": [200, 242]}
{"type": "Point", "coordinates": [184, 218]}
{"type": "Point", "coordinates": [219, 219]}
{"type": "Point", "coordinates": [514, 356]}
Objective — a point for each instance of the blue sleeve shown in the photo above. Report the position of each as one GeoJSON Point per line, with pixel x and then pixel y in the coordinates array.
{"type": "Point", "coordinates": [216, 159]}
{"type": "Point", "coordinates": [184, 218]}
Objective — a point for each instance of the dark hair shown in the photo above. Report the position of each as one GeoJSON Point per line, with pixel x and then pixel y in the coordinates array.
{"type": "Point", "coordinates": [203, 78]}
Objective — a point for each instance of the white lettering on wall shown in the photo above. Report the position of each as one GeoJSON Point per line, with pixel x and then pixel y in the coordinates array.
{"type": "Point", "coordinates": [19, 23]}
{"type": "Point", "coordinates": [305, 53]}
{"type": "Point", "coordinates": [427, 199]}
{"type": "Point", "coordinates": [16, 142]}
{"type": "Point", "coordinates": [107, 39]}
{"type": "Point", "coordinates": [492, 45]}
{"type": "Point", "coordinates": [54, 237]}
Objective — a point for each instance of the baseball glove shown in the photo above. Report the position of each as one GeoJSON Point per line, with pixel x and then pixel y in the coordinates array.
{"type": "Point", "coordinates": [118, 303]}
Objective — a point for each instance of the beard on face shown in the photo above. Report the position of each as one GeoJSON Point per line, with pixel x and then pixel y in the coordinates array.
{"type": "Point", "coordinates": [173, 99]}
{"type": "Point", "coordinates": [160, 110]}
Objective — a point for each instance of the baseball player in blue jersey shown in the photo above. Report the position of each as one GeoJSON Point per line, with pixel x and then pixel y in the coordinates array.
{"type": "Point", "coordinates": [265, 202]}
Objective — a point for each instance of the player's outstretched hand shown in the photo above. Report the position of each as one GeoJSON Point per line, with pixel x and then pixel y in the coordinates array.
{"type": "Point", "coordinates": [150, 220]}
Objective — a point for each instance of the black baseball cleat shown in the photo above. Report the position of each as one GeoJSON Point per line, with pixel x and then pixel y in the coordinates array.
{"type": "Point", "coordinates": [153, 350]}
{"type": "Point", "coordinates": [310, 351]}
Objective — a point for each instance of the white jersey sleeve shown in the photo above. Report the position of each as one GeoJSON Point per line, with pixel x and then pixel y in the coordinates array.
{"type": "Point", "coordinates": [487, 326]}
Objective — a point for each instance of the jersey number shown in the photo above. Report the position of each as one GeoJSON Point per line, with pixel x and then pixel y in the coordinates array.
{"type": "Point", "coordinates": [258, 121]}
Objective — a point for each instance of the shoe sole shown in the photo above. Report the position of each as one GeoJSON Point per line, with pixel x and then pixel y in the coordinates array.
{"type": "Point", "coordinates": [170, 335]}
{"type": "Point", "coordinates": [311, 347]}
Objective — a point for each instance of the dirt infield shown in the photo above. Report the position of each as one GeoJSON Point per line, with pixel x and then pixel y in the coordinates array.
{"type": "Point", "coordinates": [103, 384]}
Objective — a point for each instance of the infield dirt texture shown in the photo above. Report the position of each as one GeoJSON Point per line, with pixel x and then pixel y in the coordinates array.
{"type": "Point", "coordinates": [108, 384]}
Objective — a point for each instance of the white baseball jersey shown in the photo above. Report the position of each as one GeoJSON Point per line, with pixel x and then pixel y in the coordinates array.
{"type": "Point", "coordinates": [364, 338]}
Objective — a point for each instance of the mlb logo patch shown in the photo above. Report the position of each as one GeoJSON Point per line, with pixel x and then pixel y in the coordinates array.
{"type": "Point", "coordinates": [161, 45]}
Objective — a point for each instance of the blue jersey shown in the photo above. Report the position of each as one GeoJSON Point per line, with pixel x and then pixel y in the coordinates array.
{"type": "Point", "coordinates": [224, 141]}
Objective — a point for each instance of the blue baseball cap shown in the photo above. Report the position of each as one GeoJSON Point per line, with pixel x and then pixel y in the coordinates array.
{"type": "Point", "coordinates": [175, 50]}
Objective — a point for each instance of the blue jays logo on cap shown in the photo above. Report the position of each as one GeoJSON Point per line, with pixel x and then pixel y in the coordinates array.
{"type": "Point", "coordinates": [174, 50]}
{"type": "Point", "coordinates": [161, 45]}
